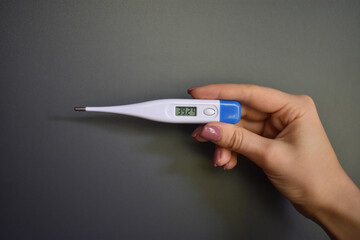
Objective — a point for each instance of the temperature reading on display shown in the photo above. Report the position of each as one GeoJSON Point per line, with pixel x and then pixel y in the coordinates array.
{"type": "Point", "coordinates": [185, 111]}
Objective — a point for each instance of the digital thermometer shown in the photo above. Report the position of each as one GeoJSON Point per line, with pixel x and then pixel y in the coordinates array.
{"type": "Point", "coordinates": [177, 110]}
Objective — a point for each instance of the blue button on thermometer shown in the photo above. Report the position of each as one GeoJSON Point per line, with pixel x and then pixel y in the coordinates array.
{"type": "Point", "coordinates": [177, 110]}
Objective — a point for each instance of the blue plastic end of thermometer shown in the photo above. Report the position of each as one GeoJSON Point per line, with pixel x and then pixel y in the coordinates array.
{"type": "Point", "coordinates": [230, 111]}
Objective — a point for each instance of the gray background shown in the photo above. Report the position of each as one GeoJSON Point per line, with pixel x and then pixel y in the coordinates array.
{"type": "Point", "coordinates": [68, 175]}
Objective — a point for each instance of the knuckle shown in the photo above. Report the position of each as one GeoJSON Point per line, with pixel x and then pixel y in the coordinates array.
{"type": "Point", "coordinates": [230, 165]}
{"type": "Point", "coordinates": [271, 156]}
{"type": "Point", "coordinates": [236, 140]}
{"type": "Point", "coordinates": [306, 99]}
{"type": "Point", "coordinates": [250, 86]}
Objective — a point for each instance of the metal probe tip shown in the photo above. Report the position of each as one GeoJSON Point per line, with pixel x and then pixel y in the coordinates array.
{"type": "Point", "coordinates": [80, 109]}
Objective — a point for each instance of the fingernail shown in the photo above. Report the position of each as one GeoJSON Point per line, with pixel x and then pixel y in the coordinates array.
{"type": "Point", "coordinates": [216, 157]}
{"type": "Point", "coordinates": [196, 132]}
{"type": "Point", "coordinates": [211, 133]}
{"type": "Point", "coordinates": [190, 89]}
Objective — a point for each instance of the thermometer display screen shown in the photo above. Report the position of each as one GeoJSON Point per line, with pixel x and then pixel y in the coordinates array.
{"type": "Point", "coordinates": [185, 111]}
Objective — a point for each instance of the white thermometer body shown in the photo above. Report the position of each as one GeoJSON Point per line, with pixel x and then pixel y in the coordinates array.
{"type": "Point", "coordinates": [177, 110]}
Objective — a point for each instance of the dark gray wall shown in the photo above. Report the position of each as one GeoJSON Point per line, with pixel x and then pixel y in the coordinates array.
{"type": "Point", "coordinates": [67, 175]}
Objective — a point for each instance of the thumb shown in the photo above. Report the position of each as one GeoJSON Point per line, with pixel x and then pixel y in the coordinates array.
{"type": "Point", "coordinates": [239, 140]}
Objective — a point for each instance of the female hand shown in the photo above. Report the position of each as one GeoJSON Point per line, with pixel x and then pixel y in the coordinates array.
{"type": "Point", "coordinates": [282, 134]}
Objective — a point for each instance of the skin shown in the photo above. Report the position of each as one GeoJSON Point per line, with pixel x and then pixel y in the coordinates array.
{"type": "Point", "coordinates": [282, 134]}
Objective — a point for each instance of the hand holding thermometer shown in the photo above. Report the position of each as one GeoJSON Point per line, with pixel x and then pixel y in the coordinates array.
{"type": "Point", "coordinates": [177, 110]}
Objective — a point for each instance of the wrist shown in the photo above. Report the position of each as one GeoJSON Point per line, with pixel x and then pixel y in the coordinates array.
{"type": "Point", "coordinates": [339, 213]}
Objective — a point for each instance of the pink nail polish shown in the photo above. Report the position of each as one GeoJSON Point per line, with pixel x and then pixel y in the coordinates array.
{"type": "Point", "coordinates": [196, 132]}
{"type": "Point", "coordinates": [216, 157]}
{"type": "Point", "coordinates": [211, 133]}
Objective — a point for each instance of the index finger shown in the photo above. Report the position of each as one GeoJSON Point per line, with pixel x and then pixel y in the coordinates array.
{"type": "Point", "coordinates": [263, 99]}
